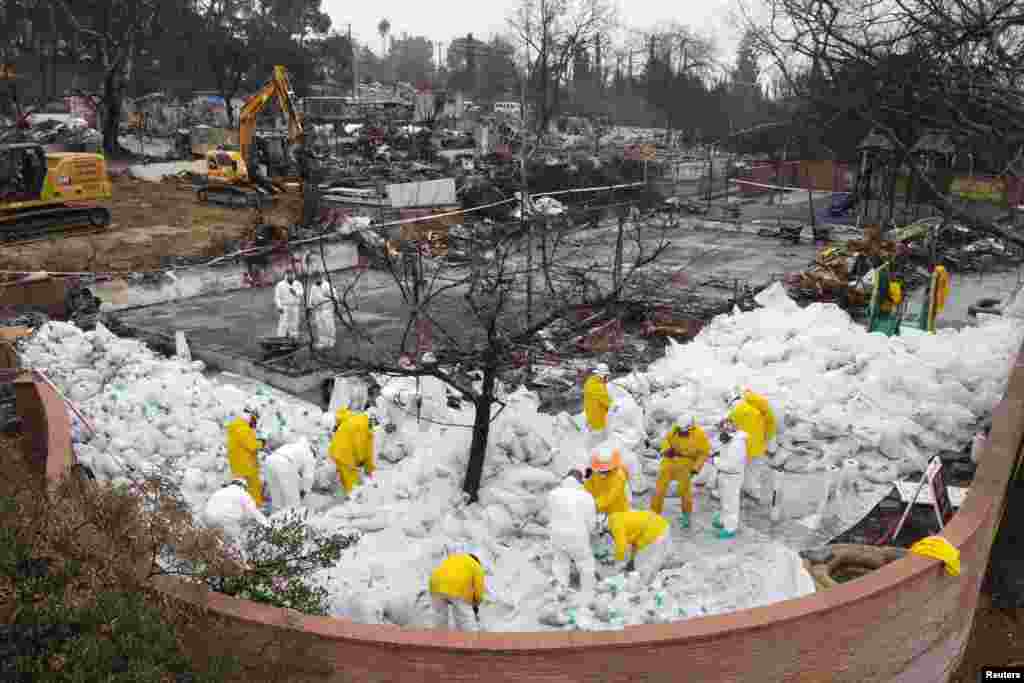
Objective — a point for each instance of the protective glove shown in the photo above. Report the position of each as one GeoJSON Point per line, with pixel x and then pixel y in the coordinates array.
{"type": "Point", "coordinates": [476, 612]}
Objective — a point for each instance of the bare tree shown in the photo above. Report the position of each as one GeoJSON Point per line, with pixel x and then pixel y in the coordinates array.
{"type": "Point", "coordinates": [383, 27]}
{"type": "Point", "coordinates": [477, 312]}
{"type": "Point", "coordinates": [117, 34]}
{"type": "Point", "coordinates": [905, 67]}
{"type": "Point", "coordinates": [553, 31]}
{"type": "Point", "coordinates": [229, 46]}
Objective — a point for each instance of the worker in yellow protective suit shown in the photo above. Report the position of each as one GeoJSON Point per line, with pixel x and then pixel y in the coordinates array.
{"type": "Point", "coordinates": [767, 418]}
{"type": "Point", "coordinates": [935, 301]}
{"type": "Point", "coordinates": [645, 536]}
{"type": "Point", "coordinates": [941, 288]}
{"type": "Point", "coordinates": [596, 401]}
{"type": "Point", "coordinates": [608, 482]}
{"type": "Point", "coordinates": [457, 585]}
{"type": "Point", "coordinates": [683, 453]}
{"type": "Point", "coordinates": [887, 294]}
{"type": "Point", "coordinates": [242, 449]}
{"type": "Point", "coordinates": [748, 419]}
{"type": "Point", "coordinates": [756, 474]}
{"type": "Point", "coordinates": [895, 298]}
{"type": "Point", "coordinates": [351, 449]}
{"type": "Point", "coordinates": [745, 417]}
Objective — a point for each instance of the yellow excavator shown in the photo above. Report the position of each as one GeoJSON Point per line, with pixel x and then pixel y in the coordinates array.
{"type": "Point", "coordinates": [42, 193]}
{"type": "Point", "coordinates": [234, 178]}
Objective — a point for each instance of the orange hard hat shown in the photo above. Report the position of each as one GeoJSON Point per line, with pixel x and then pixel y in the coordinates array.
{"type": "Point", "coordinates": [604, 460]}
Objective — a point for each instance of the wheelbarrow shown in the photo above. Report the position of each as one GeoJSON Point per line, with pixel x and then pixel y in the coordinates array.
{"type": "Point", "coordinates": [275, 347]}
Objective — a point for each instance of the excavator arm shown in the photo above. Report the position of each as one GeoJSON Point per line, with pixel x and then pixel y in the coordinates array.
{"type": "Point", "coordinates": [279, 87]}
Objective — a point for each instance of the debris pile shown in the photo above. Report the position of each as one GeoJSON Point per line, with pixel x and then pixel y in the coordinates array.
{"type": "Point", "coordinates": [73, 131]}
{"type": "Point", "coordinates": [839, 392]}
{"type": "Point", "coordinates": [842, 273]}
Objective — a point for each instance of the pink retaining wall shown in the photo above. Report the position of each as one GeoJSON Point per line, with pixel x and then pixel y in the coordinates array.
{"type": "Point", "coordinates": [904, 623]}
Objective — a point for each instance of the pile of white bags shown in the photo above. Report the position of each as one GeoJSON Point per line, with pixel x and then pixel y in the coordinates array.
{"type": "Point", "coordinates": [889, 402]}
{"type": "Point", "coordinates": [841, 393]}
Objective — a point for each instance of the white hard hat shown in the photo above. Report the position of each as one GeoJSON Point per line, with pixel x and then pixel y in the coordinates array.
{"type": "Point", "coordinates": [428, 357]}
{"type": "Point", "coordinates": [602, 370]}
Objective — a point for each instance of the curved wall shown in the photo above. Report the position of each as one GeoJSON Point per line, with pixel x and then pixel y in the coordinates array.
{"type": "Point", "coordinates": [906, 622]}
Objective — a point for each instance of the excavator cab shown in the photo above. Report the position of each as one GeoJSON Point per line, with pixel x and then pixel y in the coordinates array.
{"type": "Point", "coordinates": [44, 193]}
{"type": "Point", "coordinates": [22, 172]}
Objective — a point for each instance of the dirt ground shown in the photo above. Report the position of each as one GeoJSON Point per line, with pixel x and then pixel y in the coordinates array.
{"type": "Point", "coordinates": [150, 223]}
{"type": "Point", "coordinates": [997, 640]}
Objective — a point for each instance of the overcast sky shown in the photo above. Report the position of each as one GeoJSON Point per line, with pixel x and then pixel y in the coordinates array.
{"type": "Point", "coordinates": [446, 19]}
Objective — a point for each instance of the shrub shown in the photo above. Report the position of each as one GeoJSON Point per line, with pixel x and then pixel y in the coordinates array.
{"type": "Point", "coordinates": [77, 569]}
{"type": "Point", "coordinates": [76, 609]}
{"type": "Point", "coordinates": [281, 559]}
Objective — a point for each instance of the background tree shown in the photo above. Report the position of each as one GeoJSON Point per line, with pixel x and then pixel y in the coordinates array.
{"type": "Point", "coordinates": [412, 59]}
{"type": "Point", "coordinates": [231, 41]}
{"type": "Point", "coordinates": [903, 69]}
{"type": "Point", "coordinates": [746, 87]}
{"type": "Point", "coordinates": [553, 31]}
{"type": "Point", "coordinates": [116, 31]}
{"type": "Point", "coordinates": [383, 27]}
{"type": "Point", "coordinates": [334, 55]}
{"type": "Point", "coordinates": [478, 314]}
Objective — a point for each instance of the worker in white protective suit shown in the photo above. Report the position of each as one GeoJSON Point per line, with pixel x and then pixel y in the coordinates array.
{"type": "Point", "coordinates": [289, 472]}
{"type": "Point", "coordinates": [321, 307]}
{"type": "Point", "coordinates": [232, 509]}
{"type": "Point", "coordinates": [979, 443]}
{"type": "Point", "coordinates": [573, 519]}
{"type": "Point", "coordinates": [762, 443]}
{"type": "Point", "coordinates": [288, 299]}
{"type": "Point", "coordinates": [732, 464]}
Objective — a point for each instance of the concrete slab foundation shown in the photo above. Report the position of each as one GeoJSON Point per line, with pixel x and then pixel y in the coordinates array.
{"type": "Point", "coordinates": [231, 275]}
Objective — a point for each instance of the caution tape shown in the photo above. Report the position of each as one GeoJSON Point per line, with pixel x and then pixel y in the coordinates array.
{"type": "Point", "coordinates": [587, 189]}
{"type": "Point", "coordinates": [784, 188]}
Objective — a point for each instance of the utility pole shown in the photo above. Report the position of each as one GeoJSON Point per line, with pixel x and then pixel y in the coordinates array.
{"type": "Point", "coordinates": [355, 66]}
{"type": "Point", "coordinates": [523, 223]}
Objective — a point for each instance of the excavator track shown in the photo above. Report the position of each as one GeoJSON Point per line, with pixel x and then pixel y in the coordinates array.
{"type": "Point", "coordinates": [40, 224]}
{"type": "Point", "coordinates": [234, 197]}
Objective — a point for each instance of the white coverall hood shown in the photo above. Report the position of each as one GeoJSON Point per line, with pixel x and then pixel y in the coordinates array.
{"type": "Point", "coordinates": [289, 472]}
{"type": "Point", "coordinates": [733, 456]}
{"type": "Point", "coordinates": [570, 482]}
{"type": "Point", "coordinates": [230, 509]}
{"type": "Point", "coordinates": [573, 518]}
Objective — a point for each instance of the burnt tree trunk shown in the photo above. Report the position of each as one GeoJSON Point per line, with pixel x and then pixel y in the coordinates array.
{"type": "Point", "coordinates": [113, 104]}
{"type": "Point", "coordinates": [481, 432]}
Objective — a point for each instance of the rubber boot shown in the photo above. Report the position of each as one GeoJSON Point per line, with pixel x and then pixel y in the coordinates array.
{"type": "Point", "coordinates": [684, 520]}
